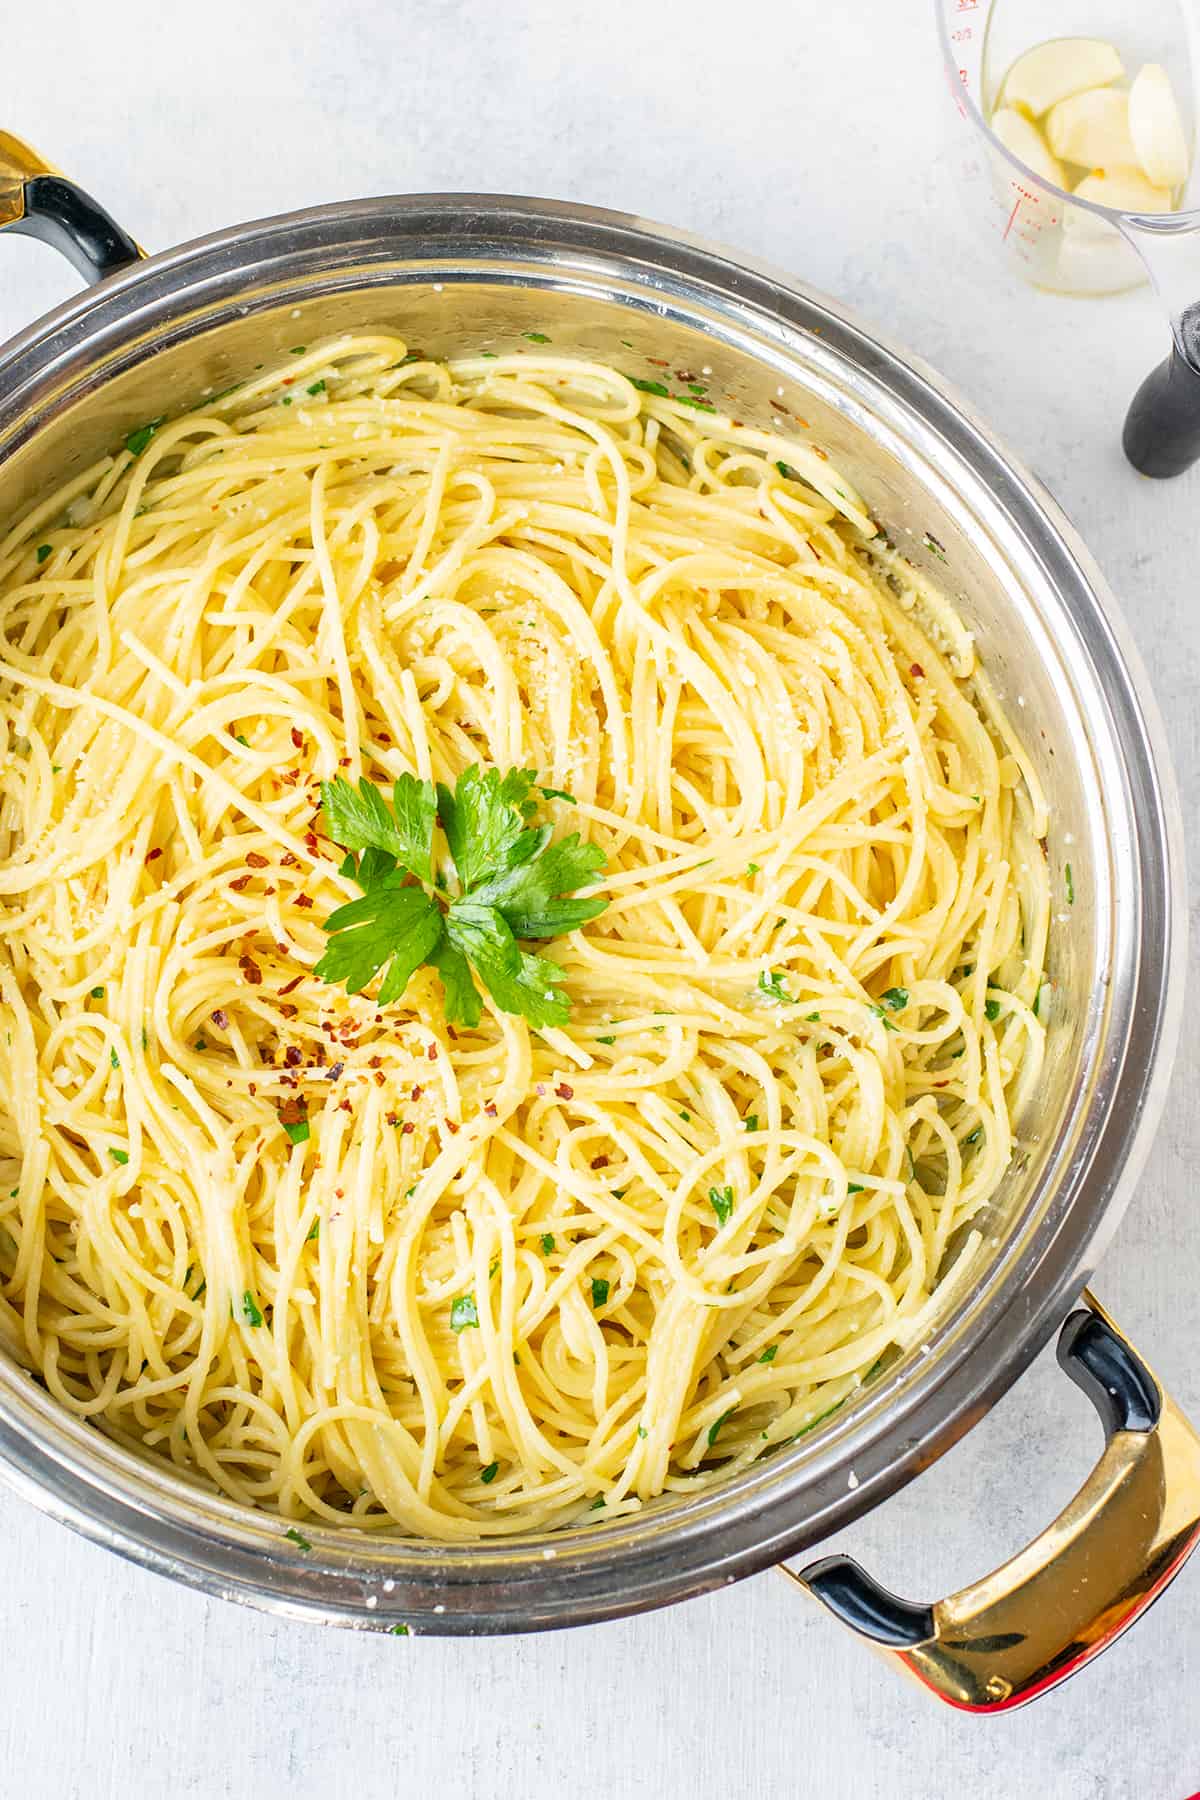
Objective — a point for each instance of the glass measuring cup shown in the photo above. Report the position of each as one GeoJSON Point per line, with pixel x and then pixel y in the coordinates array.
{"type": "Point", "coordinates": [1059, 241]}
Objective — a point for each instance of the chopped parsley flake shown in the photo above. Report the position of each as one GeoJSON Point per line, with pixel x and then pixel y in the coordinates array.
{"type": "Point", "coordinates": [298, 1130]}
{"type": "Point", "coordinates": [298, 1538]}
{"type": "Point", "coordinates": [97, 993]}
{"type": "Point", "coordinates": [991, 1010]}
{"type": "Point", "coordinates": [536, 337]}
{"type": "Point", "coordinates": [113, 1058]}
{"type": "Point", "coordinates": [318, 387]}
{"type": "Point", "coordinates": [43, 551]}
{"type": "Point", "coordinates": [1070, 886]}
{"type": "Point", "coordinates": [547, 1241]}
{"type": "Point", "coordinates": [139, 440]}
{"type": "Point", "coordinates": [751, 1121]}
{"type": "Point", "coordinates": [488, 1475]}
{"type": "Point", "coordinates": [464, 1313]}
{"type": "Point", "coordinates": [119, 1156]}
{"type": "Point", "coordinates": [314, 1232]}
{"type": "Point", "coordinates": [896, 999]}
{"type": "Point", "coordinates": [714, 1430]}
{"type": "Point", "coordinates": [769, 1354]}
{"type": "Point", "coordinates": [249, 1309]}
{"type": "Point", "coordinates": [721, 1201]}
{"type": "Point", "coordinates": [649, 387]}
{"type": "Point", "coordinates": [772, 986]}
{"type": "Point", "coordinates": [599, 1291]}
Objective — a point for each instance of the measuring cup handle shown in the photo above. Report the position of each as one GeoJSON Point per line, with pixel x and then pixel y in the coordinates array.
{"type": "Point", "coordinates": [1162, 428]}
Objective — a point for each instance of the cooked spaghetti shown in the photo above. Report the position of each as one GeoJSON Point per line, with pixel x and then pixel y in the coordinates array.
{"type": "Point", "coordinates": [495, 1277]}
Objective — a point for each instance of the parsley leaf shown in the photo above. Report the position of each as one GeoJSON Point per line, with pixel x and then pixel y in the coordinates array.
{"type": "Point", "coordinates": [769, 1354]}
{"type": "Point", "coordinates": [714, 1430]}
{"type": "Point", "coordinates": [721, 1201]}
{"type": "Point", "coordinates": [514, 883]}
{"type": "Point", "coordinates": [896, 999]}
{"type": "Point", "coordinates": [139, 440]}
{"type": "Point", "coordinates": [991, 1010]}
{"type": "Point", "coordinates": [518, 982]}
{"type": "Point", "coordinates": [531, 895]}
{"type": "Point", "coordinates": [488, 1475]}
{"type": "Point", "coordinates": [249, 1309]}
{"type": "Point", "coordinates": [464, 1313]}
{"type": "Point", "coordinates": [599, 1290]}
{"type": "Point", "coordinates": [773, 988]}
{"type": "Point", "coordinates": [463, 1005]}
{"type": "Point", "coordinates": [360, 819]}
{"type": "Point", "coordinates": [392, 926]}
{"type": "Point", "coordinates": [298, 1538]}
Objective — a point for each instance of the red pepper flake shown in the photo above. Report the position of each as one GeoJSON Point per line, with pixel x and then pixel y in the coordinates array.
{"type": "Point", "coordinates": [292, 1111]}
{"type": "Point", "coordinates": [282, 950]}
{"type": "Point", "coordinates": [311, 844]}
{"type": "Point", "coordinates": [253, 1087]}
{"type": "Point", "coordinates": [343, 762]}
{"type": "Point", "coordinates": [917, 670]}
{"type": "Point", "coordinates": [658, 362]}
{"type": "Point", "coordinates": [390, 1119]}
{"type": "Point", "coordinates": [684, 375]}
{"type": "Point", "coordinates": [288, 860]}
{"type": "Point", "coordinates": [292, 985]}
{"type": "Point", "coordinates": [376, 1062]}
{"type": "Point", "coordinates": [380, 1078]}
{"type": "Point", "coordinates": [598, 1162]}
{"type": "Point", "coordinates": [293, 1056]}
{"type": "Point", "coordinates": [153, 855]}
{"type": "Point", "coordinates": [250, 970]}
{"type": "Point", "coordinates": [220, 1019]}
{"type": "Point", "coordinates": [385, 737]}
{"type": "Point", "coordinates": [416, 1093]}
{"type": "Point", "coordinates": [407, 1129]}
{"type": "Point", "coordinates": [303, 900]}
{"type": "Point", "coordinates": [345, 1107]}
{"type": "Point", "coordinates": [241, 882]}
{"type": "Point", "coordinates": [564, 1092]}
{"type": "Point", "coordinates": [431, 1053]}
{"type": "Point", "coordinates": [451, 1127]}
{"type": "Point", "coordinates": [490, 1110]}
{"type": "Point", "coordinates": [255, 861]}
{"type": "Point", "coordinates": [288, 1010]}
{"type": "Point", "coordinates": [297, 737]}
{"type": "Point", "coordinates": [817, 451]}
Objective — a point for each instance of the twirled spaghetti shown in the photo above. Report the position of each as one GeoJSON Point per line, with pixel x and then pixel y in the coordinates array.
{"type": "Point", "coordinates": [689, 1222]}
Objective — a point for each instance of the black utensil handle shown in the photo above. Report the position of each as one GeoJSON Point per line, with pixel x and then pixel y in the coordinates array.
{"type": "Point", "coordinates": [63, 215]}
{"type": "Point", "coordinates": [1162, 428]}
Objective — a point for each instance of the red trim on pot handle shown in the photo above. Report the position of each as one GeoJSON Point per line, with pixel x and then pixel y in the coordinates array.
{"type": "Point", "coordinates": [37, 201]}
{"type": "Point", "coordinates": [1106, 1558]}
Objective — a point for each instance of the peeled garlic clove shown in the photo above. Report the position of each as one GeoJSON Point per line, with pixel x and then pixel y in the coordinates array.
{"type": "Point", "coordinates": [1157, 129]}
{"type": "Point", "coordinates": [1054, 71]}
{"type": "Point", "coordinates": [1127, 190]}
{"type": "Point", "coordinates": [1027, 143]}
{"type": "Point", "coordinates": [1092, 129]}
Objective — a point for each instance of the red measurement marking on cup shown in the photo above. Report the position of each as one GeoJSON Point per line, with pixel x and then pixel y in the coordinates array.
{"type": "Point", "coordinates": [1012, 217]}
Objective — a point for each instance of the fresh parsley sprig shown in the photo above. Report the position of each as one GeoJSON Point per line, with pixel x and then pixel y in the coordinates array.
{"type": "Point", "coordinates": [513, 883]}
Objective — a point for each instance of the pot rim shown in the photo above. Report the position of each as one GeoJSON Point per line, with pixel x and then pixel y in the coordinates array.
{"type": "Point", "coordinates": [775, 1507]}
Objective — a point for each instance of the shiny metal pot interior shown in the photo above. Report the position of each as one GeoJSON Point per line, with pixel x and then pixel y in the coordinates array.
{"type": "Point", "coordinates": [451, 273]}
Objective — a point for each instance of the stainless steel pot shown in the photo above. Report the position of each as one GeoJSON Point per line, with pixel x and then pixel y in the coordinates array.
{"type": "Point", "coordinates": [450, 272]}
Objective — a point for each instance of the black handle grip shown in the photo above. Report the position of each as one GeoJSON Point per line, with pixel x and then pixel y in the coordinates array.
{"type": "Point", "coordinates": [61, 214]}
{"type": "Point", "coordinates": [1125, 1395]}
{"type": "Point", "coordinates": [1162, 427]}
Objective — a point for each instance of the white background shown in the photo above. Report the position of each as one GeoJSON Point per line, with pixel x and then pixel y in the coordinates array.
{"type": "Point", "coordinates": [812, 136]}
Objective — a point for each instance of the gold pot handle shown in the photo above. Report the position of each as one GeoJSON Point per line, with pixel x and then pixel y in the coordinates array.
{"type": "Point", "coordinates": [1074, 1590]}
{"type": "Point", "coordinates": [36, 200]}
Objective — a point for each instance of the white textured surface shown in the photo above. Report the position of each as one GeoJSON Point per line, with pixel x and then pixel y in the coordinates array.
{"type": "Point", "coordinates": [771, 125]}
